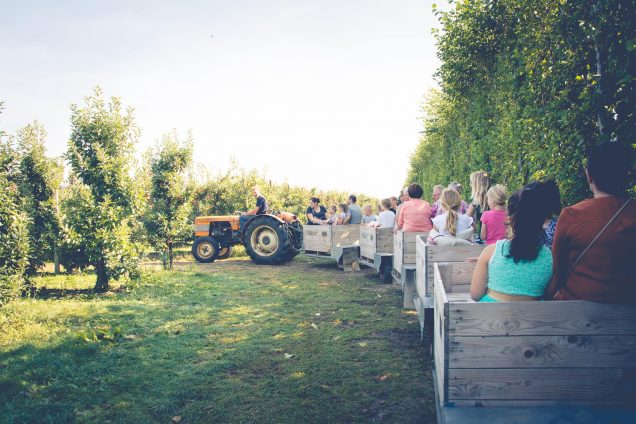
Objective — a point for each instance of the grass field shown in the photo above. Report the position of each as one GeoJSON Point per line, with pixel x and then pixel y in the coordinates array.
{"type": "Point", "coordinates": [226, 342]}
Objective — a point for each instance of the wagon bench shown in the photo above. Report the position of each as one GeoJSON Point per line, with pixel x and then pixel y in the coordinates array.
{"type": "Point", "coordinates": [534, 358]}
{"type": "Point", "coordinates": [404, 264]}
{"type": "Point", "coordinates": [333, 241]}
{"type": "Point", "coordinates": [376, 250]}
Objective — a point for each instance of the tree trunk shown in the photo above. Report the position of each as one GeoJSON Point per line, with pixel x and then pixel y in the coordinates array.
{"type": "Point", "coordinates": [170, 254]}
{"type": "Point", "coordinates": [101, 285]}
{"type": "Point", "coordinates": [56, 260]}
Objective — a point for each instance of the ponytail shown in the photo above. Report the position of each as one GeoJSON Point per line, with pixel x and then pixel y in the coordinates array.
{"type": "Point", "coordinates": [451, 201]}
{"type": "Point", "coordinates": [451, 222]}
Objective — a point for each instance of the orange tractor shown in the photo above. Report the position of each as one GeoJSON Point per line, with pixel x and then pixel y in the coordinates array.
{"type": "Point", "coordinates": [269, 239]}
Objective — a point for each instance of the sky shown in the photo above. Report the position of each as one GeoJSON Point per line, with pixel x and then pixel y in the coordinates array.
{"type": "Point", "coordinates": [323, 94]}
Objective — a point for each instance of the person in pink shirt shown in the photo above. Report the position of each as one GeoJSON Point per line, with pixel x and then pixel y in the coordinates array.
{"type": "Point", "coordinates": [415, 215]}
{"type": "Point", "coordinates": [493, 221]}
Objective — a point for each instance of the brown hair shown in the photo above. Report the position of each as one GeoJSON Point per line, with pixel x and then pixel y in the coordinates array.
{"type": "Point", "coordinates": [451, 201]}
{"type": "Point", "coordinates": [344, 207]}
{"type": "Point", "coordinates": [386, 203]}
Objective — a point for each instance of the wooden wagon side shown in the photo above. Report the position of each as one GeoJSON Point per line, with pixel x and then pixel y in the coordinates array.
{"type": "Point", "coordinates": [338, 242]}
{"type": "Point", "coordinates": [425, 256]}
{"type": "Point", "coordinates": [529, 354]}
{"type": "Point", "coordinates": [404, 264]}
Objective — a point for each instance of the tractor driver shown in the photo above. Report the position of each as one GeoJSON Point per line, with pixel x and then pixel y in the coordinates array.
{"type": "Point", "coordinates": [260, 209]}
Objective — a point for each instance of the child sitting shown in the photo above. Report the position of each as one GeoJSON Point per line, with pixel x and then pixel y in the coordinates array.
{"type": "Point", "coordinates": [341, 215]}
{"type": "Point", "coordinates": [367, 215]}
{"type": "Point", "coordinates": [332, 215]}
{"type": "Point", "coordinates": [386, 218]}
{"type": "Point", "coordinates": [493, 221]}
{"type": "Point", "coordinates": [451, 223]}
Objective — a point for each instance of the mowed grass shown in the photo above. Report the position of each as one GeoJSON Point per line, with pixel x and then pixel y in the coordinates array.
{"type": "Point", "coordinates": [226, 342]}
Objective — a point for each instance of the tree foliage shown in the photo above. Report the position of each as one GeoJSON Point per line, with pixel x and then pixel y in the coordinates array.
{"type": "Point", "coordinates": [231, 191]}
{"type": "Point", "coordinates": [166, 219]}
{"type": "Point", "coordinates": [527, 87]}
{"type": "Point", "coordinates": [13, 224]}
{"type": "Point", "coordinates": [98, 211]}
{"type": "Point", "coordinates": [40, 177]}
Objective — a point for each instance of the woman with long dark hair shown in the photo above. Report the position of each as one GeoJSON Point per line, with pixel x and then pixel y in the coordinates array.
{"type": "Point", "coordinates": [520, 268]}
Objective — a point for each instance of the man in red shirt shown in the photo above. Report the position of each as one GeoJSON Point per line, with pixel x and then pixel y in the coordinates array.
{"type": "Point", "coordinates": [605, 273]}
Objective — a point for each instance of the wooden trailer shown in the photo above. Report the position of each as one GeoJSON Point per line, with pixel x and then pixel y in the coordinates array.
{"type": "Point", "coordinates": [333, 241]}
{"type": "Point", "coordinates": [376, 250]}
{"type": "Point", "coordinates": [530, 362]}
{"type": "Point", "coordinates": [425, 256]}
{"type": "Point", "coordinates": [404, 264]}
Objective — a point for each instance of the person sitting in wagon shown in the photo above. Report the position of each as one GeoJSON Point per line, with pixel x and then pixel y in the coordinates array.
{"type": "Point", "coordinates": [451, 227]}
{"type": "Point", "coordinates": [414, 215]}
{"type": "Point", "coordinates": [594, 247]}
{"type": "Point", "coordinates": [316, 213]}
{"type": "Point", "coordinates": [367, 215]}
{"type": "Point", "coordinates": [386, 218]}
{"type": "Point", "coordinates": [260, 209]}
{"type": "Point", "coordinates": [520, 268]}
{"type": "Point", "coordinates": [354, 213]}
{"type": "Point", "coordinates": [341, 214]}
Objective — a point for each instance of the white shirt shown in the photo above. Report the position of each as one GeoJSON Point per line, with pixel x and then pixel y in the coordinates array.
{"type": "Point", "coordinates": [386, 219]}
{"type": "Point", "coordinates": [464, 222]}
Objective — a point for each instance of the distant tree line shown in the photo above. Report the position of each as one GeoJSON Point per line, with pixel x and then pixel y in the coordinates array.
{"type": "Point", "coordinates": [526, 88]}
{"type": "Point", "coordinates": [111, 209]}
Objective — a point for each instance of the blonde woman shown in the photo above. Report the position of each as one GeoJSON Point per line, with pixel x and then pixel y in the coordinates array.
{"type": "Point", "coordinates": [493, 221]}
{"type": "Point", "coordinates": [452, 223]}
{"type": "Point", "coordinates": [479, 183]}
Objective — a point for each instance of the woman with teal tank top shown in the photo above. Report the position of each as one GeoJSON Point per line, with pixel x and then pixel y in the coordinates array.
{"type": "Point", "coordinates": [518, 269]}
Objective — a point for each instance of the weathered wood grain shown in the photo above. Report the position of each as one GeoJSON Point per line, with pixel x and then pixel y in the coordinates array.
{"type": "Point", "coordinates": [375, 240]}
{"type": "Point", "coordinates": [346, 235]}
{"type": "Point", "coordinates": [431, 254]}
{"type": "Point", "coordinates": [541, 383]}
{"type": "Point", "coordinates": [541, 318]}
{"type": "Point", "coordinates": [440, 338]}
{"type": "Point", "coordinates": [404, 244]}
{"type": "Point", "coordinates": [542, 351]}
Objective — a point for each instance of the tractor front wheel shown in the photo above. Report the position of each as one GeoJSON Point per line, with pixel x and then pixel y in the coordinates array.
{"type": "Point", "coordinates": [205, 249]}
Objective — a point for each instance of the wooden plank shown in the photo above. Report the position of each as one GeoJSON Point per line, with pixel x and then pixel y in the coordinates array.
{"type": "Point", "coordinates": [317, 246]}
{"type": "Point", "coordinates": [345, 235]}
{"type": "Point", "coordinates": [563, 318]}
{"type": "Point", "coordinates": [440, 337]}
{"type": "Point", "coordinates": [434, 254]}
{"type": "Point", "coordinates": [542, 351]}
{"type": "Point", "coordinates": [594, 384]}
{"type": "Point", "coordinates": [367, 241]}
{"type": "Point", "coordinates": [420, 281]}
{"type": "Point", "coordinates": [317, 238]}
{"type": "Point", "coordinates": [397, 251]}
{"type": "Point", "coordinates": [517, 404]}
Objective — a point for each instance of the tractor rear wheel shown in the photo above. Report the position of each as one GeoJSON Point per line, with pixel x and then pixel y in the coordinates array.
{"type": "Point", "coordinates": [225, 252]}
{"type": "Point", "coordinates": [267, 241]}
{"type": "Point", "coordinates": [205, 249]}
